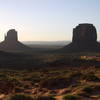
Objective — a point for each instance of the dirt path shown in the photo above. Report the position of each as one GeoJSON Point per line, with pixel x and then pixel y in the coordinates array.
{"type": "Point", "coordinates": [58, 97]}
{"type": "Point", "coordinates": [2, 96]}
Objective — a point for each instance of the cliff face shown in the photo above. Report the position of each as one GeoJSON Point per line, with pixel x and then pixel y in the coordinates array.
{"type": "Point", "coordinates": [11, 36]}
{"type": "Point", "coordinates": [84, 33]}
{"type": "Point", "coordinates": [11, 42]}
{"type": "Point", "coordinates": [84, 39]}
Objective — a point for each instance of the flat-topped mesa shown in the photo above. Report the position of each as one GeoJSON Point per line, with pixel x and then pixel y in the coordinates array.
{"type": "Point", "coordinates": [84, 39]}
{"type": "Point", "coordinates": [84, 33]}
{"type": "Point", "coordinates": [11, 36]}
{"type": "Point", "coordinates": [11, 43]}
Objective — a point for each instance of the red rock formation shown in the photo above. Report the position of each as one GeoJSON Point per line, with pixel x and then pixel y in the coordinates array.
{"type": "Point", "coordinates": [11, 42]}
{"type": "Point", "coordinates": [11, 36]}
{"type": "Point", "coordinates": [84, 39]}
{"type": "Point", "coordinates": [84, 33]}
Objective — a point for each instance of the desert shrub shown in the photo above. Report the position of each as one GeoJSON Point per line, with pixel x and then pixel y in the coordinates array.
{"type": "Point", "coordinates": [33, 78]}
{"type": "Point", "coordinates": [16, 82]}
{"type": "Point", "coordinates": [97, 87]}
{"type": "Point", "coordinates": [3, 76]}
{"type": "Point", "coordinates": [19, 89]}
{"type": "Point", "coordinates": [88, 89]}
{"type": "Point", "coordinates": [26, 86]}
{"type": "Point", "coordinates": [76, 74]}
{"type": "Point", "coordinates": [90, 77]}
{"type": "Point", "coordinates": [70, 97]}
{"type": "Point", "coordinates": [21, 97]}
{"type": "Point", "coordinates": [75, 77]}
{"type": "Point", "coordinates": [45, 98]}
{"type": "Point", "coordinates": [55, 83]}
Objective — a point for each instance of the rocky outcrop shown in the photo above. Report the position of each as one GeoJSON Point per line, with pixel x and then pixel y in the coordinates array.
{"type": "Point", "coordinates": [11, 36]}
{"type": "Point", "coordinates": [84, 33]}
{"type": "Point", "coordinates": [11, 42]}
{"type": "Point", "coordinates": [84, 39]}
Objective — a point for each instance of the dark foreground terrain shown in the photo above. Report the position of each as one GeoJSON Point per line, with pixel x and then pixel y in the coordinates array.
{"type": "Point", "coordinates": [49, 75]}
{"type": "Point", "coordinates": [65, 83]}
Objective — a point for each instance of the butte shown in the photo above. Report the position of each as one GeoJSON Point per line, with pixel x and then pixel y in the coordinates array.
{"type": "Point", "coordinates": [84, 39]}
{"type": "Point", "coordinates": [11, 43]}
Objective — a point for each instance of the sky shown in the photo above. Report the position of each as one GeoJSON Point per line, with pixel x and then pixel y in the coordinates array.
{"type": "Point", "coordinates": [47, 20]}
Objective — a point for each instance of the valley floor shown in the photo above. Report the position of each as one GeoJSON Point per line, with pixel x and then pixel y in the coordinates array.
{"type": "Point", "coordinates": [82, 83]}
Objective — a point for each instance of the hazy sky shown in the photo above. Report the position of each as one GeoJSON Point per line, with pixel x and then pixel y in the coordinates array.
{"type": "Point", "coordinates": [47, 20]}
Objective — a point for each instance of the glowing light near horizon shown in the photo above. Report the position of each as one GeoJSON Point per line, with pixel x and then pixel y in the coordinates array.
{"type": "Point", "coordinates": [47, 20]}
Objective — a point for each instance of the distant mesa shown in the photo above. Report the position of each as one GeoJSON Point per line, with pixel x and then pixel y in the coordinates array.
{"type": "Point", "coordinates": [11, 36]}
{"type": "Point", "coordinates": [84, 33]}
{"type": "Point", "coordinates": [84, 39]}
{"type": "Point", "coordinates": [11, 42]}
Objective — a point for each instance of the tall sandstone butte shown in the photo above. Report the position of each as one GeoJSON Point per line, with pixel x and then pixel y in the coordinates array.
{"type": "Point", "coordinates": [11, 42]}
{"type": "Point", "coordinates": [11, 36]}
{"type": "Point", "coordinates": [84, 39]}
{"type": "Point", "coordinates": [84, 33]}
